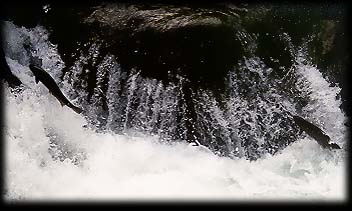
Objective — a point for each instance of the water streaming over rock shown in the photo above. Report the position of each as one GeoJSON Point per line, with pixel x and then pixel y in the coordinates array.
{"type": "Point", "coordinates": [131, 141]}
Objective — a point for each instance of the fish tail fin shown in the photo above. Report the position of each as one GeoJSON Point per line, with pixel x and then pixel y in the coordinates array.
{"type": "Point", "coordinates": [76, 109]}
{"type": "Point", "coordinates": [334, 146]}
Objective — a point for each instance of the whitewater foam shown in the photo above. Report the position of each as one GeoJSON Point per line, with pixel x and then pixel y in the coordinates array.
{"type": "Point", "coordinates": [128, 167]}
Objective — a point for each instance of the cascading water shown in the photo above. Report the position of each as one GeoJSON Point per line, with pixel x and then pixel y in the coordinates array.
{"type": "Point", "coordinates": [131, 142]}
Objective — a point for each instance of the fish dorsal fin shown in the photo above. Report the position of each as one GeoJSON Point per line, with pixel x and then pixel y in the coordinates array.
{"type": "Point", "coordinates": [62, 103]}
{"type": "Point", "coordinates": [36, 79]}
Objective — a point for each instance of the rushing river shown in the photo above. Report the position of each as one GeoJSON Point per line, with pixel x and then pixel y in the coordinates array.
{"type": "Point", "coordinates": [53, 153]}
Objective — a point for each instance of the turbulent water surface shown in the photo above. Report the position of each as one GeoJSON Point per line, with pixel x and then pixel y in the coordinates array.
{"type": "Point", "coordinates": [54, 153]}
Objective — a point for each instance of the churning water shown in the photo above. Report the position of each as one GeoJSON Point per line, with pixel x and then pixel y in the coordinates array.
{"type": "Point", "coordinates": [51, 153]}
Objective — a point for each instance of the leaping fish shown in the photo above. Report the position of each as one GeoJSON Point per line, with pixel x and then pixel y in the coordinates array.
{"type": "Point", "coordinates": [44, 77]}
{"type": "Point", "coordinates": [315, 132]}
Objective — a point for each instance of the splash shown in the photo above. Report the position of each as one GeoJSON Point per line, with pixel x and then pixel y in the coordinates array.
{"type": "Point", "coordinates": [105, 166]}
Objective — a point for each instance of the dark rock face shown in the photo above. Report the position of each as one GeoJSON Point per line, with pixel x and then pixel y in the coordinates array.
{"type": "Point", "coordinates": [199, 44]}
{"type": "Point", "coordinates": [194, 50]}
{"type": "Point", "coordinates": [205, 57]}
{"type": "Point", "coordinates": [191, 37]}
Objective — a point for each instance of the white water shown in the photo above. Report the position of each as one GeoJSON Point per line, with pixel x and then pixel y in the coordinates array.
{"type": "Point", "coordinates": [134, 167]}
